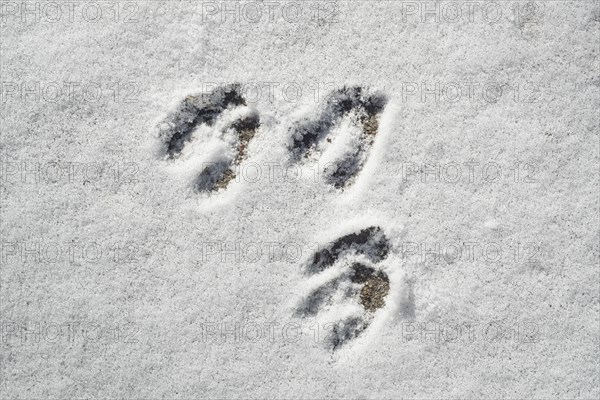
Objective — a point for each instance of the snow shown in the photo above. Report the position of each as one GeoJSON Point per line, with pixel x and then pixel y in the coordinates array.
{"type": "Point", "coordinates": [489, 203]}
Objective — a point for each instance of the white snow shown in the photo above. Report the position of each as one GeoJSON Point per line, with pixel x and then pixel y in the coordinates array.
{"type": "Point", "coordinates": [100, 233]}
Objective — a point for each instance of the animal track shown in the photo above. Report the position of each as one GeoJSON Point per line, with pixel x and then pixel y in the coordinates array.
{"type": "Point", "coordinates": [356, 280]}
{"type": "Point", "coordinates": [308, 136]}
{"type": "Point", "coordinates": [350, 284]}
{"type": "Point", "coordinates": [179, 127]}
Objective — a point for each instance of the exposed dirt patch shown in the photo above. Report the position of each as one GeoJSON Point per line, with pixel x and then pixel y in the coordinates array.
{"type": "Point", "coordinates": [376, 286]}
{"type": "Point", "coordinates": [224, 180]}
{"type": "Point", "coordinates": [370, 124]}
{"type": "Point", "coordinates": [373, 293]}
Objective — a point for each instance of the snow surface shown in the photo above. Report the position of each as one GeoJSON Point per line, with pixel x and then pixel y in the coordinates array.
{"type": "Point", "coordinates": [169, 274]}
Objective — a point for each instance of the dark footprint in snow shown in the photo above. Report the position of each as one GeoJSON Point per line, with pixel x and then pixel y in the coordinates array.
{"type": "Point", "coordinates": [358, 281]}
{"type": "Point", "coordinates": [309, 135]}
{"type": "Point", "coordinates": [205, 109]}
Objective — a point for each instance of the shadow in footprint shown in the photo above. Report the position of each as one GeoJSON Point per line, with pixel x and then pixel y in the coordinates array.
{"type": "Point", "coordinates": [370, 242]}
{"type": "Point", "coordinates": [364, 108]}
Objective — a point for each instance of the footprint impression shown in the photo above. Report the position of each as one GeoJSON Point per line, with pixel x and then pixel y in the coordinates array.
{"type": "Point", "coordinates": [350, 289]}
{"type": "Point", "coordinates": [314, 136]}
{"type": "Point", "coordinates": [180, 129]}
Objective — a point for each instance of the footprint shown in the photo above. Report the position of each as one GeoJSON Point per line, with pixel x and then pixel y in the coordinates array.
{"type": "Point", "coordinates": [347, 281]}
{"type": "Point", "coordinates": [311, 135]}
{"type": "Point", "coordinates": [354, 291]}
{"type": "Point", "coordinates": [178, 129]}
